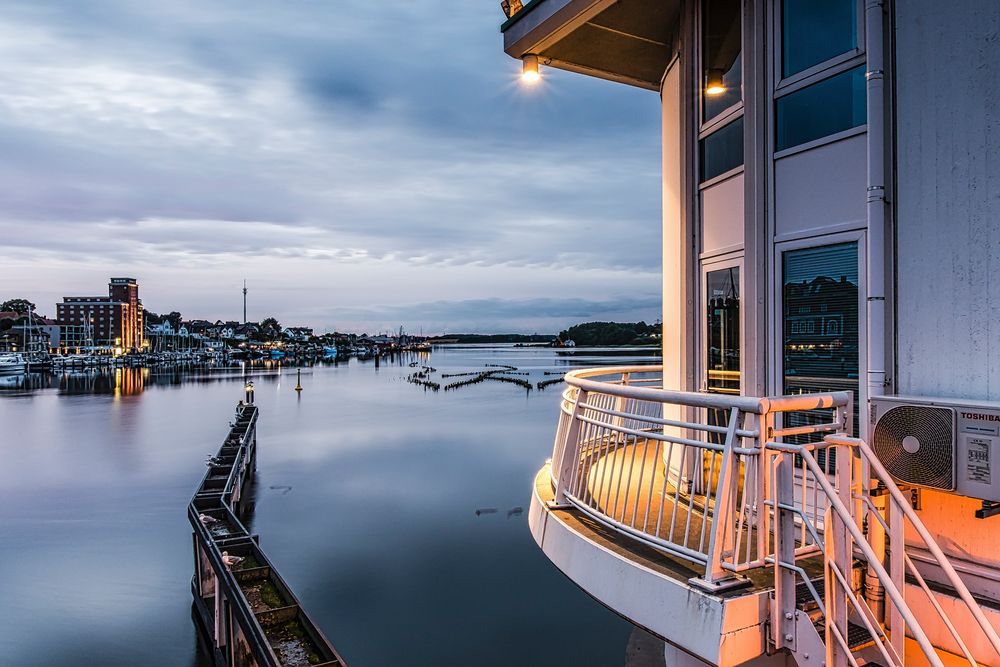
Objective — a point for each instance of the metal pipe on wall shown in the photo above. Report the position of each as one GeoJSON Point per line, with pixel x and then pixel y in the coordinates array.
{"type": "Point", "coordinates": [876, 204]}
{"type": "Point", "coordinates": [875, 260]}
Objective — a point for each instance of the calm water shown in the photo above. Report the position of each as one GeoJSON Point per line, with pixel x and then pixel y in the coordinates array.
{"type": "Point", "coordinates": [367, 492]}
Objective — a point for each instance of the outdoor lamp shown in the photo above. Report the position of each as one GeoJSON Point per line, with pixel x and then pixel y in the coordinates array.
{"type": "Point", "coordinates": [529, 69]}
{"type": "Point", "coordinates": [714, 85]}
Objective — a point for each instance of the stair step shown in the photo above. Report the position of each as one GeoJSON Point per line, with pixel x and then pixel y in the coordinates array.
{"type": "Point", "coordinates": [857, 635]}
{"type": "Point", "coordinates": [804, 599]}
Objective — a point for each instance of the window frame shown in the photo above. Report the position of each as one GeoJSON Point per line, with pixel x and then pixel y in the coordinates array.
{"type": "Point", "coordinates": [725, 175]}
{"type": "Point", "coordinates": [841, 68]}
{"type": "Point", "coordinates": [716, 263]}
{"type": "Point", "coordinates": [706, 127]}
{"type": "Point", "coordinates": [817, 71]}
{"type": "Point", "coordinates": [776, 370]}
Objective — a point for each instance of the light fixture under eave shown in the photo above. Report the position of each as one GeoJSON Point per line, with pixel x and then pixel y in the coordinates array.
{"type": "Point", "coordinates": [714, 84]}
{"type": "Point", "coordinates": [529, 69]}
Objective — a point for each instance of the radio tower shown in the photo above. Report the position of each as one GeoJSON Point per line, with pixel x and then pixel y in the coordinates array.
{"type": "Point", "coordinates": [244, 302]}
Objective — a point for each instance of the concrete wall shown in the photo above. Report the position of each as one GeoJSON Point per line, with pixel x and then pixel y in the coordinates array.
{"type": "Point", "coordinates": [948, 133]}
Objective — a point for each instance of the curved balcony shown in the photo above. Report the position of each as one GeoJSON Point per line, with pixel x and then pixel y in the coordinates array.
{"type": "Point", "coordinates": [668, 491]}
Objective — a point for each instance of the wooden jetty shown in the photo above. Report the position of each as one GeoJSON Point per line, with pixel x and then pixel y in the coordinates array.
{"type": "Point", "coordinates": [249, 615]}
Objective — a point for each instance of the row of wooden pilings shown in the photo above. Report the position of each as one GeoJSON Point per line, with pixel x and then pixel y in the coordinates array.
{"type": "Point", "coordinates": [247, 612]}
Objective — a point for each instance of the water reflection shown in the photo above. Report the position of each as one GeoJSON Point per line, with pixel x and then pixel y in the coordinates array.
{"type": "Point", "coordinates": [367, 494]}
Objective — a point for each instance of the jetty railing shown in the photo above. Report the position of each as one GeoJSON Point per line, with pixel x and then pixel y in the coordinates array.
{"type": "Point", "coordinates": [248, 613]}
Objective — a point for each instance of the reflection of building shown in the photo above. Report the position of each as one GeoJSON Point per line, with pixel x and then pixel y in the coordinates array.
{"type": "Point", "coordinates": [109, 321]}
{"type": "Point", "coordinates": [821, 332]}
{"type": "Point", "coordinates": [828, 239]}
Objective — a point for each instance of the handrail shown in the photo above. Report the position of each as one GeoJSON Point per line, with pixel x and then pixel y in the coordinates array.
{"type": "Point", "coordinates": [581, 380]}
{"type": "Point", "coordinates": [903, 505]}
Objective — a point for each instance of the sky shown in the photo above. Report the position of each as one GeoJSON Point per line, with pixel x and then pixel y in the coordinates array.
{"type": "Point", "coordinates": [362, 164]}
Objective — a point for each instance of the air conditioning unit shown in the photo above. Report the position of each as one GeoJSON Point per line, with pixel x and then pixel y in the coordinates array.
{"type": "Point", "coordinates": [943, 444]}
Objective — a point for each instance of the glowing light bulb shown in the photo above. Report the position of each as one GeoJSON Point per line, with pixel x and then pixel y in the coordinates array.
{"type": "Point", "coordinates": [529, 70]}
{"type": "Point", "coordinates": [714, 84]}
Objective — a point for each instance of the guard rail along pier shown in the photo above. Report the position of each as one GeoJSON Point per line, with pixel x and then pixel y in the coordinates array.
{"type": "Point", "coordinates": [248, 613]}
{"type": "Point", "coordinates": [762, 542]}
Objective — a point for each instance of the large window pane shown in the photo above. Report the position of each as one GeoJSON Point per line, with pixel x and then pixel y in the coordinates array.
{"type": "Point", "coordinates": [723, 327]}
{"type": "Point", "coordinates": [822, 109]}
{"type": "Point", "coordinates": [722, 44]}
{"type": "Point", "coordinates": [813, 31]}
{"type": "Point", "coordinates": [820, 327]}
{"type": "Point", "coordinates": [722, 150]}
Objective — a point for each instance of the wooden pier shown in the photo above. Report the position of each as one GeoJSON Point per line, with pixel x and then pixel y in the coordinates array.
{"type": "Point", "coordinates": [247, 612]}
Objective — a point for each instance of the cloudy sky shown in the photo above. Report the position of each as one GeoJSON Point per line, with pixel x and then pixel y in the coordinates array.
{"type": "Point", "coordinates": [362, 163]}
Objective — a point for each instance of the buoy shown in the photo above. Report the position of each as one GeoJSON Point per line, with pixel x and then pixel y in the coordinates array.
{"type": "Point", "coordinates": [298, 380]}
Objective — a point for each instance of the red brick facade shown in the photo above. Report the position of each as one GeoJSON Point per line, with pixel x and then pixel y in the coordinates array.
{"type": "Point", "coordinates": [115, 320]}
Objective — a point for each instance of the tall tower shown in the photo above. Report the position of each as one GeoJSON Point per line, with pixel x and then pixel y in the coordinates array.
{"type": "Point", "coordinates": [244, 302]}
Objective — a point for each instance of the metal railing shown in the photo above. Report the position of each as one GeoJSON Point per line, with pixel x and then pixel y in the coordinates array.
{"type": "Point", "coordinates": [867, 523]}
{"type": "Point", "coordinates": [731, 483]}
{"type": "Point", "coordinates": [679, 471]}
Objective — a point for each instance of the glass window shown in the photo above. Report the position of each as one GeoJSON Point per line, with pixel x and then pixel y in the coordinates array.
{"type": "Point", "coordinates": [723, 327]}
{"type": "Point", "coordinates": [813, 31]}
{"type": "Point", "coordinates": [820, 335]}
{"type": "Point", "coordinates": [822, 109]}
{"type": "Point", "coordinates": [721, 62]}
{"type": "Point", "coordinates": [722, 150]}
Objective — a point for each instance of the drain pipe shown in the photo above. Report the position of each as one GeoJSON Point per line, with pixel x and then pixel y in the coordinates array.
{"type": "Point", "coordinates": [875, 85]}
{"type": "Point", "coordinates": [875, 264]}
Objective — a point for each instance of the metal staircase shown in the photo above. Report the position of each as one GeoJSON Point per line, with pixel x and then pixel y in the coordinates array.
{"type": "Point", "coordinates": [833, 502]}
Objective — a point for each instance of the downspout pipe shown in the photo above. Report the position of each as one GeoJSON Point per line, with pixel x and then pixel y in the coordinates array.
{"type": "Point", "coordinates": [876, 204]}
{"type": "Point", "coordinates": [875, 263]}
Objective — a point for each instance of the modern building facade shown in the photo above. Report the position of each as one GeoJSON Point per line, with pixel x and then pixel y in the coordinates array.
{"type": "Point", "coordinates": [114, 321]}
{"type": "Point", "coordinates": [830, 220]}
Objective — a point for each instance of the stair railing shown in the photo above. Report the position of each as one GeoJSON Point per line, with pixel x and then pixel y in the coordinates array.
{"type": "Point", "coordinates": [849, 518]}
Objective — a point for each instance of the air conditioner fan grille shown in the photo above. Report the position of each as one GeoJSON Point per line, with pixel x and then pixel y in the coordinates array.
{"type": "Point", "coordinates": [916, 443]}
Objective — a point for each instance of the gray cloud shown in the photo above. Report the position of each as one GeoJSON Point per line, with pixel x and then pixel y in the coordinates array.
{"type": "Point", "coordinates": [223, 138]}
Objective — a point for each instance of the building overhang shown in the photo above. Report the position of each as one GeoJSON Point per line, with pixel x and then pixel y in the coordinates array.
{"type": "Point", "coordinates": [627, 41]}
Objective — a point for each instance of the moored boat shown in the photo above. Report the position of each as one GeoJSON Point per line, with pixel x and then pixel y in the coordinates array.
{"type": "Point", "coordinates": [12, 363]}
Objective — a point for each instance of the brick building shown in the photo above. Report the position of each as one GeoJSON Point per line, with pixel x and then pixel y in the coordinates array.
{"type": "Point", "coordinates": [115, 320]}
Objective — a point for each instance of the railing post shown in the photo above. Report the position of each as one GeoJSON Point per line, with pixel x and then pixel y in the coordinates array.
{"type": "Point", "coordinates": [721, 537]}
{"type": "Point", "coordinates": [569, 463]}
{"type": "Point", "coordinates": [834, 599]}
{"type": "Point", "coordinates": [838, 554]}
{"type": "Point", "coordinates": [783, 494]}
{"type": "Point", "coordinates": [897, 548]}
{"type": "Point", "coordinates": [622, 403]}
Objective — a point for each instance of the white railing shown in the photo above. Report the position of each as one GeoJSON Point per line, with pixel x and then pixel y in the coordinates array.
{"type": "Point", "coordinates": [870, 523]}
{"type": "Point", "coordinates": [679, 471]}
{"type": "Point", "coordinates": [731, 483]}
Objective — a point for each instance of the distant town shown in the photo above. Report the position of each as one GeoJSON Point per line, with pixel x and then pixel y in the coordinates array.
{"type": "Point", "coordinates": [117, 326]}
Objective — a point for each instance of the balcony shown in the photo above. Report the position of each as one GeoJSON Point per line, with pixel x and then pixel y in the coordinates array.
{"type": "Point", "coordinates": [666, 490]}
{"type": "Point", "coordinates": [628, 41]}
{"type": "Point", "coordinates": [738, 528]}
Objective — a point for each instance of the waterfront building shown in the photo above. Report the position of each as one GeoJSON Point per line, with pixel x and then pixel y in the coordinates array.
{"type": "Point", "coordinates": [113, 322]}
{"type": "Point", "coordinates": [808, 480]}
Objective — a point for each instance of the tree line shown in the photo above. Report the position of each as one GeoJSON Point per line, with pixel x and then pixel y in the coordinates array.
{"type": "Point", "coordinates": [612, 333]}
